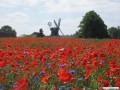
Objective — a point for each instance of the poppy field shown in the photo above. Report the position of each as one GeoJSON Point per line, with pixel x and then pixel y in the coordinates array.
{"type": "Point", "coordinates": [59, 63]}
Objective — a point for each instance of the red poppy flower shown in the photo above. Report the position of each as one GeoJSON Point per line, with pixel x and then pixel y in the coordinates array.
{"type": "Point", "coordinates": [43, 59]}
{"type": "Point", "coordinates": [43, 69]}
{"type": "Point", "coordinates": [3, 79]}
{"type": "Point", "coordinates": [19, 81]}
{"type": "Point", "coordinates": [77, 88]}
{"type": "Point", "coordinates": [65, 76]}
{"type": "Point", "coordinates": [45, 78]}
{"type": "Point", "coordinates": [24, 84]}
{"type": "Point", "coordinates": [118, 83]}
{"type": "Point", "coordinates": [105, 83]}
{"type": "Point", "coordinates": [34, 62]}
{"type": "Point", "coordinates": [52, 56]}
{"type": "Point", "coordinates": [18, 88]}
{"type": "Point", "coordinates": [3, 63]}
{"type": "Point", "coordinates": [117, 79]}
{"type": "Point", "coordinates": [99, 79]}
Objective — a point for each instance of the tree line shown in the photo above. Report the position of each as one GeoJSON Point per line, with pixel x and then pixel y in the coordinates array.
{"type": "Point", "coordinates": [91, 26]}
{"type": "Point", "coordinates": [8, 31]}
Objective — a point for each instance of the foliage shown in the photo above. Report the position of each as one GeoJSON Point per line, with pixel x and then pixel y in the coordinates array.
{"type": "Point", "coordinates": [38, 34]}
{"type": "Point", "coordinates": [47, 45]}
{"type": "Point", "coordinates": [26, 35]}
{"type": "Point", "coordinates": [113, 32]}
{"type": "Point", "coordinates": [34, 34]}
{"type": "Point", "coordinates": [7, 31]}
{"type": "Point", "coordinates": [92, 26]}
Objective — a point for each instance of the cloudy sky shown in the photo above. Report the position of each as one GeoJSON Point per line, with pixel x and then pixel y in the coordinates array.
{"type": "Point", "coordinates": [27, 16]}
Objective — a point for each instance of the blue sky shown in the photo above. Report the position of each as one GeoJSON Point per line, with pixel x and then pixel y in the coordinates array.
{"type": "Point", "coordinates": [28, 16]}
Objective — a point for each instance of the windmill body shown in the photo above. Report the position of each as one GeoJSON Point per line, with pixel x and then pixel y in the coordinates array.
{"type": "Point", "coordinates": [55, 30]}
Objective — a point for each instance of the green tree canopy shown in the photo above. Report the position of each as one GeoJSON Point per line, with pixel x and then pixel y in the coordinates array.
{"type": "Point", "coordinates": [113, 32]}
{"type": "Point", "coordinates": [92, 26]}
{"type": "Point", "coordinates": [7, 31]}
{"type": "Point", "coordinates": [38, 34]}
{"type": "Point", "coordinates": [35, 34]}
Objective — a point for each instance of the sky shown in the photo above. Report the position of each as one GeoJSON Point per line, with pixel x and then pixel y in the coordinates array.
{"type": "Point", "coordinates": [28, 16]}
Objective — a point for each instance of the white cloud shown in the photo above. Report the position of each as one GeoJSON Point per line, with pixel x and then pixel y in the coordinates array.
{"type": "Point", "coordinates": [14, 3]}
{"type": "Point", "coordinates": [18, 14]}
{"type": "Point", "coordinates": [81, 5]}
{"type": "Point", "coordinates": [66, 5]}
{"type": "Point", "coordinates": [109, 10]}
{"type": "Point", "coordinates": [31, 2]}
{"type": "Point", "coordinates": [17, 20]}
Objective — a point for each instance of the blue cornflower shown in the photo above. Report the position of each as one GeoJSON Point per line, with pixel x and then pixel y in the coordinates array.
{"type": "Point", "coordinates": [48, 65]}
{"type": "Point", "coordinates": [1, 89]}
{"type": "Point", "coordinates": [62, 65]}
{"type": "Point", "coordinates": [103, 61]}
{"type": "Point", "coordinates": [25, 52]}
{"type": "Point", "coordinates": [72, 62]}
{"type": "Point", "coordinates": [69, 88]}
{"type": "Point", "coordinates": [1, 68]}
{"type": "Point", "coordinates": [36, 78]}
{"type": "Point", "coordinates": [80, 79]}
{"type": "Point", "coordinates": [42, 72]}
{"type": "Point", "coordinates": [61, 87]}
{"type": "Point", "coordinates": [15, 85]}
{"type": "Point", "coordinates": [72, 71]}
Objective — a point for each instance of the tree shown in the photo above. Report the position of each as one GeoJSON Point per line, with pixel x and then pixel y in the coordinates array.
{"type": "Point", "coordinates": [113, 32]}
{"type": "Point", "coordinates": [7, 31]}
{"type": "Point", "coordinates": [40, 34]}
{"type": "Point", "coordinates": [35, 34]}
{"type": "Point", "coordinates": [92, 26]}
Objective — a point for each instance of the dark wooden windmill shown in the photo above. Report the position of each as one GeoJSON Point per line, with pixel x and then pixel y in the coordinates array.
{"type": "Point", "coordinates": [55, 30]}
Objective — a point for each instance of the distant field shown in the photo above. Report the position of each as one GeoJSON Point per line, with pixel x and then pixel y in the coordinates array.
{"type": "Point", "coordinates": [59, 63]}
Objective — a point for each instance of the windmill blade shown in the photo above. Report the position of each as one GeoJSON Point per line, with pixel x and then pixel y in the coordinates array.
{"type": "Point", "coordinates": [56, 24]}
{"type": "Point", "coordinates": [49, 24]}
{"type": "Point", "coordinates": [59, 22]}
{"type": "Point", "coordinates": [61, 31]}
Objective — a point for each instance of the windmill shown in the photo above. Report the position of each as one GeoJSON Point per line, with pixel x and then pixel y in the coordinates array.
{"type": "Point", "coordinates": [55, 30]}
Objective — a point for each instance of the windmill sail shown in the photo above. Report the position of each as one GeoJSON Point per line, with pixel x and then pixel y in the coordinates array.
{"type": "Point", "coordinates": [59, 22]}
{"type": "Point", "coordinates": [56, 24]}
{"type": "Point", "coordinates": [49, 24]}
{"type": "Point", "coordinates": [61, 32]}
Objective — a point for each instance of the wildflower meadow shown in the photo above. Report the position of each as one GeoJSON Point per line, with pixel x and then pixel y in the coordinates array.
{"type": "Point", "coordinates": [59, 63]}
